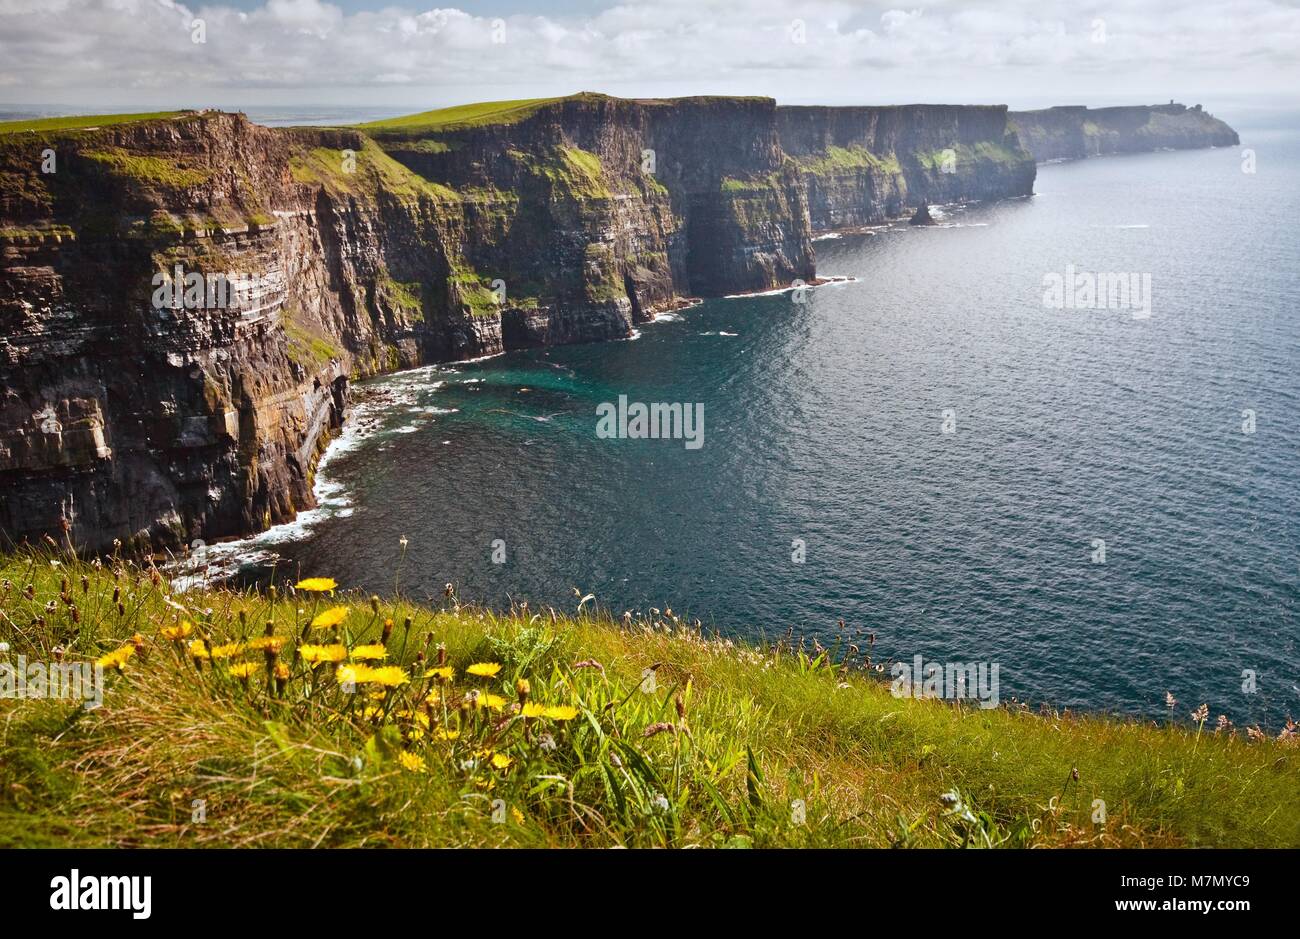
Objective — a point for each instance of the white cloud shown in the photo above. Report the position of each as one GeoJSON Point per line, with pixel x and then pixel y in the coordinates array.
{"type": "Point", "coordinates": [295, 51]}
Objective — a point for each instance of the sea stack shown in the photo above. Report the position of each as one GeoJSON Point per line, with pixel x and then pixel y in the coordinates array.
{"type": "Point", "coordinates": [922, 215]}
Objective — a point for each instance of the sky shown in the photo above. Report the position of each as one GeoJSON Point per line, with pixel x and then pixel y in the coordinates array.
{"type": "Point", "coordinates": [407, 55]}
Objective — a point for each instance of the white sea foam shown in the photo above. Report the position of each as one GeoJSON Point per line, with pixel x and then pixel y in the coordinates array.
{"type": "Point", "coordinates": [364, 421]}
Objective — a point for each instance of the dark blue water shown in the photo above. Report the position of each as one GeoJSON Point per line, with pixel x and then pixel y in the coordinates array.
{"type": "Point", "coordinates": [823, 422]}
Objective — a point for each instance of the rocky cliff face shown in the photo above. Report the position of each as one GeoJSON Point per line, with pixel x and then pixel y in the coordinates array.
{"type": "Point", "coordinates": [325, 255]}
{"type": "Point", "coordinates": [1069, 133]}
{"type": "Point", "coordinates": [863, 165]}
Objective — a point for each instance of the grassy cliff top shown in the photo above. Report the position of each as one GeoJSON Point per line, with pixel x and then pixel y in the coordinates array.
{"type": "Point", "coordinates": [463, 115]}
{"type": "Point", "coordinates": [488, 113]}
{"type": "Point", "coordinates": [82, 122]}
{"type": "Point", "coordinates": [317, 716]}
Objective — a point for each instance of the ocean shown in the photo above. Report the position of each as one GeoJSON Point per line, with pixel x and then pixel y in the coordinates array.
{"type": "Point", "coordinates": [1101, 498]}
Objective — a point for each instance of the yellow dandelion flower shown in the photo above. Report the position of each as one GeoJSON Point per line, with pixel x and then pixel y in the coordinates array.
{"type": "Point", "coordinates": [266, 644]}
{"type": "Point", "coordinates": [243, 670]}
{"type": "Point", "coordinates": [411, 761]}
{"type": "Point", "coordinates": [317, 584]}
{"type": "Point", "coordinates": [444, 672]}
{"type": "Point", "coordinates": [198, 649]}
{"type": "Point", "coordinates": [315, 654]}
{"type": "Point", "coordinates": [445, 734]}
{"type": "Point", "coordinates": [433, 697]}
{"type": "Point", "coordinates": [282, 672]}
{"type": "Point", "coordinates": [561, 712]}
{"type": "Point", "coordinates": [494, 701]}
{"type": "Point", "coordinates": [369, 653]}
{"type": "Point", "coordinates": [117, 658]}
{"type": "Point", "coordinates": [501, 761]}
{"type": "Point", "coordinates": [390, 676]}
{"type": "Point", "coordinates": [177, 632]}
{"type": "Point", "coordinates": [484, 669]}
{"type": "Point", "coordinates": [533, 709]}
{"type": "Point", "coordinates": [517, 815]}
{"type": "Point", "coordinates": [331, 617]}
{"type": "Point", "coordinates": [227, 650]}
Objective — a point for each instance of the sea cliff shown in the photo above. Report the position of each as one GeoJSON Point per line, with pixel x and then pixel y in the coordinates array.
{"type": "Point", "coordinates": [354, 251]}
{"type": "Point", "coordinates": [1071, 133]}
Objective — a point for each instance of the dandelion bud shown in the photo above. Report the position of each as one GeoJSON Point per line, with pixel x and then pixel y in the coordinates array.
{"type": "Point", "coordinates": [522, 688]}
{"type": "Point", "coordinates": [407, 624]}
{"type": "Point", "coordinates": [269, 630]}
{"type": "Point", "coordinates": [281, 678]}
{"type": "Point", "coordinates": [374, 604]}
{"type": "Point", "coordinates": [273, 593]}
{"type": "Point", "coordinates": [85, 584]}
{"type": "Point", "coordinates": [442, 655]}
{"type": "Point", "coordinates": [154, 577]}
{"type": "Point", "coordinates": [388, 628]}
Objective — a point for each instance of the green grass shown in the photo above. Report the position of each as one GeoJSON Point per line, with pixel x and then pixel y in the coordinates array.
{"type": "Point", "coordinates": [374, 171]}
{"type": "Point", "coordinates": [82, 122]}
{"type": "Point", "coordinates": [847, 159]}
{"type": "Point", "coordinates": [713, 753]}
{"type": "Point", "coordinates": [406, 295]}
{"type": "Point", "coordinates": [477, 297]}
{"type": "Point", "coordinates": [464, 115]}
{"type": "Point", "coordinates": [152, 170]}
{"type": "Point", "coordinates": [34, 232]}
{"type": "Point", "coordinates": [572, 171]}
{"type": "Point", "coordinates": [966, 155]}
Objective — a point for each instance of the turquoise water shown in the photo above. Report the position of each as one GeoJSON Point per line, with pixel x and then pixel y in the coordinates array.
{"type": "Point", "coordinates": [823, 422]}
